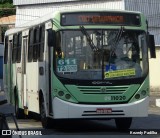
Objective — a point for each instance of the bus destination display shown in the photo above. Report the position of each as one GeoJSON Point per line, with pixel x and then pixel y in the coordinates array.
{"type": "Point", "coordinates": [100, 18]}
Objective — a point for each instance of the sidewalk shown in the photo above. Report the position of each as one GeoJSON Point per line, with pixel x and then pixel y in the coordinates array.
{"type": "Point", "coordinates": [155, 99]}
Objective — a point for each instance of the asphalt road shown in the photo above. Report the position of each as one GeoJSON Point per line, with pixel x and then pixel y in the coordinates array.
{"type": "Point", "coordinates": [141, 127]}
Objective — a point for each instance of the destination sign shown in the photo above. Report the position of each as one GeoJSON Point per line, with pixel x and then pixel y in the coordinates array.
{"type": "Point", "coordinates": [100, 18]}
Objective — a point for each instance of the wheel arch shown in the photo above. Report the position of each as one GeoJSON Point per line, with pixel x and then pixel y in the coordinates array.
{"type": "Point", "coordinates": [41, 99]}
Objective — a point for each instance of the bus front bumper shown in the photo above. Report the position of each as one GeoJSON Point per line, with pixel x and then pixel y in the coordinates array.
{"type": "Point", "coordinates": [67, 110]}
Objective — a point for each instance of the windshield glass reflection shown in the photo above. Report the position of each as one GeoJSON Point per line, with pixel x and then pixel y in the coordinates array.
{"type": "Point", "coordinates": [101, 54]}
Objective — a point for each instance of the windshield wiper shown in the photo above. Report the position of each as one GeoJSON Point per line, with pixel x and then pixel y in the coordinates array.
{"type": "Point", "coordinates": [117, 39]}
{"type": "Point", "coordinates": [115, 43]}
{"type": "Point", "coordinates": [89, 40]}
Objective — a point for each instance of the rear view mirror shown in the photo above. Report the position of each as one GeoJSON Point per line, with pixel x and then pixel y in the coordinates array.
{"type": "Point", "coordinates": [51, 38]}
{"type": "Point", "coordinates": [152, 46]}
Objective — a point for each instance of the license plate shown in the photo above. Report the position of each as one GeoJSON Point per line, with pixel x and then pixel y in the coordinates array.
{"type": "Point", "coordinates": [104, 110]}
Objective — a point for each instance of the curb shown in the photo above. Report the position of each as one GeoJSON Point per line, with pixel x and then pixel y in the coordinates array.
{"type": "Point", "coordinates": [153, 100]}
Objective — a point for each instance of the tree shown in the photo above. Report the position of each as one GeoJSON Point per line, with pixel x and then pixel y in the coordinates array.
{"type": "Point", "coordinates": [7, 8]}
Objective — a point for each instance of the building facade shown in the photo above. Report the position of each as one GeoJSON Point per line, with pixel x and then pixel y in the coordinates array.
{"type": "Point", "coordinates": [28, 10]}
{"type": "Point", "coordinates": [6, 23]}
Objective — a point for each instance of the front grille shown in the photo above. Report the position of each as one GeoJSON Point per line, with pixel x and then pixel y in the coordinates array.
{"type": "Point", "coordinates": [103, 90]}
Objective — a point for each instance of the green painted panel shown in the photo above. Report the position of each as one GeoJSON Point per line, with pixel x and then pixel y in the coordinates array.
{"type": "Point", "coordinates": [103, 94]}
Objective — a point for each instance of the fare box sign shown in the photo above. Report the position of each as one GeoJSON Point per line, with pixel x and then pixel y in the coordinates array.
{"type": "Point", "coordinates": [66, 65]}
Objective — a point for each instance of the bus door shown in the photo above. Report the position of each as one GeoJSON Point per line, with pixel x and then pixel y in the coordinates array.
{"type": "Point", "coordinates": [50, 66]}
{"type": "Point", "coordinates": [9, 70]}
{"type": "Point", "coordinates": [23, 83]}
{"type": "Point", "coordinates": [50, 59]}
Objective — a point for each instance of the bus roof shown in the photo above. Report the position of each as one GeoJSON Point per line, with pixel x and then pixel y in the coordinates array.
{"type": "Point", "coordinates": [96, 10]}
{"type": "Point", "coordinates": [51, 16]}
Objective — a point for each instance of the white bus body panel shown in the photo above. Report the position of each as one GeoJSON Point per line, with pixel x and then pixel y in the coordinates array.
{"type": "Point", "coordinates": [32, 86]}
{"type": "Point", "coordinates": [63, 109]}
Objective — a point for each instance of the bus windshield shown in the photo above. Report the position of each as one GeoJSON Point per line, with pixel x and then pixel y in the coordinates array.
{"type": "Point", "coordinates": [100, 54]}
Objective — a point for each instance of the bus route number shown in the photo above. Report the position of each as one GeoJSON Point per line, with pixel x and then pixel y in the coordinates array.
{"type": "Point", "coordinates": [67, 68]}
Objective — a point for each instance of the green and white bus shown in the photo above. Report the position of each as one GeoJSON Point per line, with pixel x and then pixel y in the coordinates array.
{"type": "Point", "coordinates": [72, 64]}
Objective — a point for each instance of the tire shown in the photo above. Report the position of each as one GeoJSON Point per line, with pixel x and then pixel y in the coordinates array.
{"type": "Point", "coordinates": [123, 123]}
{"type": "Point", "coordinates": [46, 122]}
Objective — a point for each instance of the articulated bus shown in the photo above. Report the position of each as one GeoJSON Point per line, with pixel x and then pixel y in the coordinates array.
{"type": "Point", "coordinates": [72, 64]}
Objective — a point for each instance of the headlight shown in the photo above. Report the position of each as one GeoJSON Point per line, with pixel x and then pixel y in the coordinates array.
{"type": "Point", "coordinates": [67, 96]}
{"type": "Point", "coordinates": [60, 93]}
{"type": "Point", "coordinates": [137, 96]}
{"type": "Point", "coordinates": [143, 92]}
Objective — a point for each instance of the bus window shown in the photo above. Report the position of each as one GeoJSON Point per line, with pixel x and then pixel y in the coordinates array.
{"type": "Point", "coordinates": [14, 49]}
{"type": "Point", "coordinates": [6, 51]}
{"type": "Point", "coordinates": [30, 47]}
{"type": "Point", "coordinates": [36, 39]}
{"type": "Point", "coordinates": [19, 48]}
{"type": "Point", "coordinates": [41, 45]}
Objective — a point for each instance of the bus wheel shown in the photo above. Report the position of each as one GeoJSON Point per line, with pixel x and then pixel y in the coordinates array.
{"type": "Point", "coordinates": [123, 123]}
{"type": "Point", "coordinates": [46, 123]}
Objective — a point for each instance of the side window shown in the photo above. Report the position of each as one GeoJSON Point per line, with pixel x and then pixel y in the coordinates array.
{"type": "Point", "coordinates": [6, 50]}
{"type": "Point", "coordinates": [41, 45]}
{"type": "Point", "coordinates": [30, 46]}
{"type": "Point", "coordinates": [19, 48]}
{"type": "Point", "coordinates": [36, 44]}
{"type": "Point", "coordinates": [14, 49]}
